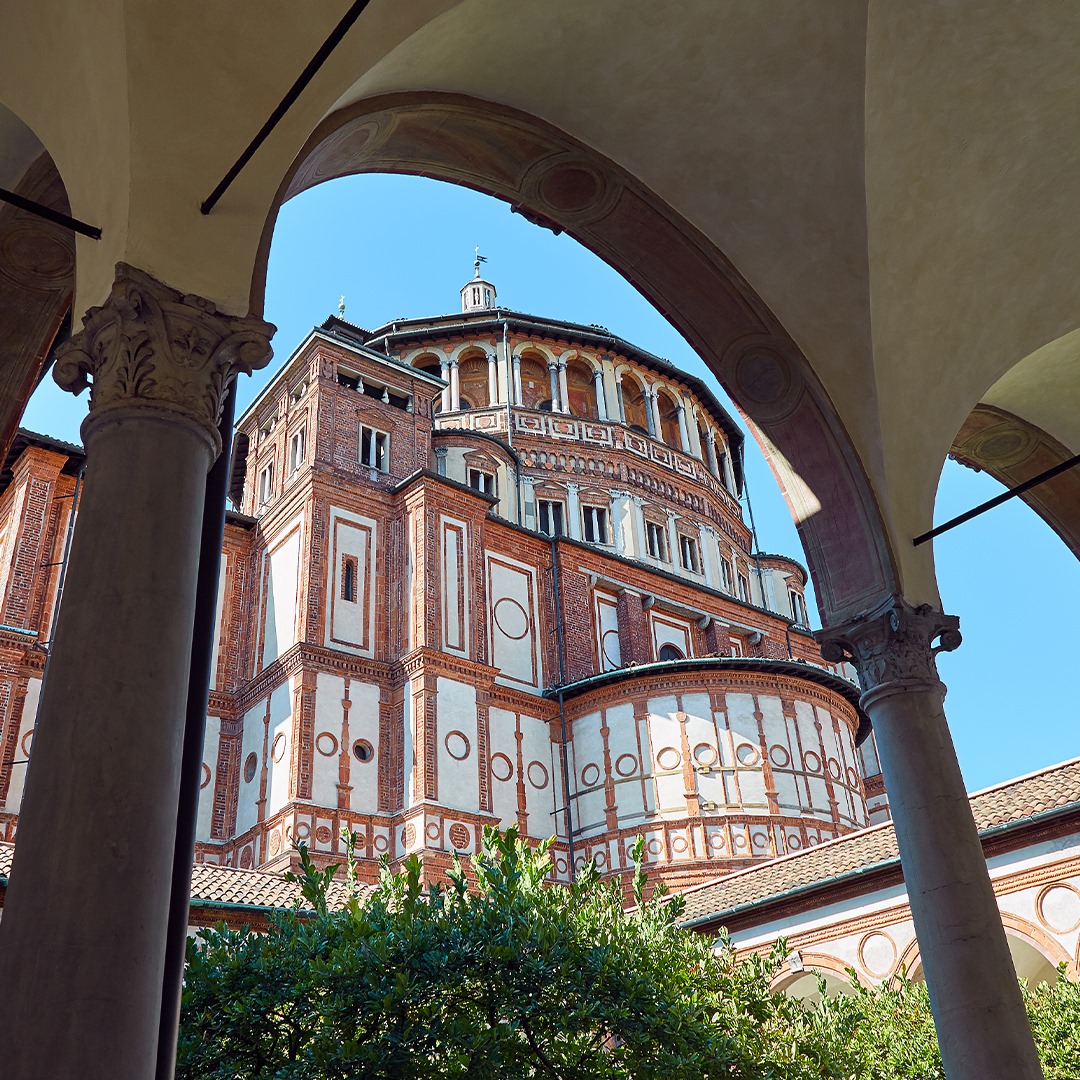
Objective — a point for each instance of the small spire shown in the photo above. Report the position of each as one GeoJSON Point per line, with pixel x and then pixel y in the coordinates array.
{"type": "Point", "coordinates": [479, 259]}
{"type": "Point", "coordinates": [341, 307]}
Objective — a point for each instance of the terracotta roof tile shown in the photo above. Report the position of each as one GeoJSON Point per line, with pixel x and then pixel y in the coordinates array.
{"type": "Point", "coordinates": [1011, 803]}
{"type": "Point", "coordinates": [226, 885]}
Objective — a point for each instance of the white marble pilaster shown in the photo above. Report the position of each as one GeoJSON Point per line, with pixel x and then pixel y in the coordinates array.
{"type": "Point", "coordinates": [573, 511]}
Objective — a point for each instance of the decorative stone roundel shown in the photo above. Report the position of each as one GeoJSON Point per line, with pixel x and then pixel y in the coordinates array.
{"type": "Point", "coordinates": [502, 768]}
{"type": "Point", "coordinates": [457, 745]}
{"type": "Point", "coordinates": [275, 843]}
{"type": "Point", "coordinates": [246, 858]}
{"type": "Point", "coordinates": [877, 953]}
{"type": "Point", "coordinates": [667, 757]}
{"type": "Point", "coordinates": [811, 762]}
{"type": "Point", "coordinates": [363, 750]}
{"type": "Point", "coordinates": [381, 843]}
{"type": "Point", "coordinates": [459, 836]}
{"type": "Point", "coordinates": [1058, 908]}
{"type": "Point", "coordinates": [323, 834]}
{"type": "Point", "coordinates": [27, 739]}
{"type": "Point", "coordinates": [277, 750]}
{"type": "Point", "coordinates": [626, 765]}
{"type": "Point", "coordinates": [206, 776]}
{"type": "Point", "coordinates": [705, 754]}
{"type": "Point", "coordinates": [326, 744]}
{"type": "Point", "coordinates": [538, 774]}
{"type": "Point", "coordinates": [590, 774]}
{"type": "Point", "coordinates": [779, 756]}
{"type": "Point", "coordinates": [747, 754]}
{"type": "Point", "coordinates": [511, 618]}
{"type": "Point", "coordinates": [251, 765]}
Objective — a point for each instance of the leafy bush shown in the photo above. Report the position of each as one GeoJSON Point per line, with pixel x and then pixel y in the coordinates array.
{"type": "Point", "coordinates": [516, 978]}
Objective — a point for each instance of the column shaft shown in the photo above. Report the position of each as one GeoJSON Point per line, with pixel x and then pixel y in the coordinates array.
{"type": "Point", "coordinates": [493, 380]}
{"type": "Point", "coordinates": [455, 386]}
{"type": "Point", "coordinates": [564, 396]}
{"type": "Point", "coordinates": [601, 403]}
{"type": "Point", "coordinates": [982, 1026]}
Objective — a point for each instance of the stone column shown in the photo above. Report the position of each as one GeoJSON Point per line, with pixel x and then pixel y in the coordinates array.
{"type": "Point", "coordinates": [982, 1026]}
{"type": "Point", "coordinates": [601, 403]}
{"type": "Point", "coordinates": [673, 541]}
{"type": "Point", "coordinates": [84, 927]}
{"type": "Point", "coordinates": [493, 380]}
{"type": "Point", "coordinates": [564, 396]}
{"type": "Point", "coordinates": [573, 511]}
{"type": "Point", "coordinates": [692, 431]}
{"type": "Point", "coordinates": [516, 362]}
{"type": "Point", "coordinates": [553, 380]}
{"type": "Point", "coordinates": [684, 434]}
{"type": "Point", "coordinates": [444, 371]}
{"type": "Point", "coordinates": [455, 386]}
{"type": "Point", "coordinates": [652, 413]}
{"type": "Point", "coordinates": [710, 452]}
{"type": "Point", "coordinates": [619, 397]}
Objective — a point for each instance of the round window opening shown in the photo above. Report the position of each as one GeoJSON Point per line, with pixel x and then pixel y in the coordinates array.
{"type": "Point", "coordinates": [250, 765]}
{"type": "Point", "coordinates": [363, 750]}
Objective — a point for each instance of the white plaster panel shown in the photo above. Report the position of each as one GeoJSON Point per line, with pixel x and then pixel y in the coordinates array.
{"type": "Point", "coordinates": [543, 776]}
{"type": "Point", "coordinates": [514, 622]}
{"type": "Point", "coordinates": [502, 745]}
{"type": "Point", "coordinates": [211, 745]}
{"type": "Point", "coordinates": [350, 623]}
{"type": "Point", "coordinates": [587, 758]}
{"type": "Point", "coordinates": [22, 749]}
{"type": "Point", "coordinates": [281, 567]}
{"type": "Point", "coordinates": [666, 744]}
{"type": "Point", "coordinates": [625, 748]}
{"type": "Point", "coordinates": [280, 713]}
{"type": "Point", "coordinates": [607, 632]}
{"type": "Point", "coordinates": [669, 630]}
{"type": "Point", "coordinates": [329, 732]}
{"type": "Point", "coordinates": [455, 579]}
{"type": "Point", "coordinates": [455, 742]}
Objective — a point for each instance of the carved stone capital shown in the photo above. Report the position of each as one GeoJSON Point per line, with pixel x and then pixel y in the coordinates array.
{"type": "Point", "coordinates": [893, 647]}
{"type": "Point", "coordinates": [149, 348]}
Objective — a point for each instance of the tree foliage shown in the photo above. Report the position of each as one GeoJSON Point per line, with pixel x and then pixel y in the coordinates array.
{"type": "Point", "coordinates": [513, 977]}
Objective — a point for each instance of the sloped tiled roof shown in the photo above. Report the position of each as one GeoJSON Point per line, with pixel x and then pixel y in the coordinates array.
{"type": "Point", "coordinates": [1011, 804]}
{"type": "Point", "coordinates": [214, 886]}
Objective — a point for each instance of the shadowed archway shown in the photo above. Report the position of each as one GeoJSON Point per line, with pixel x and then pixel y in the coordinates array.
{"type": "Point", "coordinates": [558, 182]}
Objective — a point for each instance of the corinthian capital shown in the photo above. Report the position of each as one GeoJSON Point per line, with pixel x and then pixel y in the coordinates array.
{"type": "Point", "coordinates": [149, 348]}
{"type": "Point", "coordinates": [893, 647]}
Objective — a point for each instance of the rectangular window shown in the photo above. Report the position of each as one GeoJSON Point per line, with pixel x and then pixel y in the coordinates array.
{"type": "Point", "coordinates": [296, 450]}
{"type": "Point", "coordinates": [744, 588]}
{"type": "Point", "coordinates": [656, 541]}
{"type": "Point", "coordinates": [482, 481]}
{"type": "Point", "coordinates": [374, 448]}
{"type": "Point", "coordinates": [725, 576]}
{"type": "Point", "coordinates": [690, 554]}
{"type": "Point", "coordinates": [736, 646]}
{"type": "Point", "coordinates": [594, 521]}
{"type": "Point", "coordinates": [549, 517]}
{"type": "Point", "coordinates": [798, 608]}
{"type": "Point", "coordinates": [348, 578]}
{"type": "Point", "coordinates": [266, 484]}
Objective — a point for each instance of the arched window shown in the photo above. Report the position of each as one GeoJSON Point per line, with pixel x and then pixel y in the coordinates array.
{"type": "Point", "coordinates": [669, 420]}
{"type": "Point", "coordinates": [634, 404]}
{"type": "Point", "coordinates": [668, 653]}
{"type": "Point", "coordinates": [581, 390]}
{"type": "Point", "coordinates": [473, 379]}
{"type": "Point", "coordinates": [535, 382]}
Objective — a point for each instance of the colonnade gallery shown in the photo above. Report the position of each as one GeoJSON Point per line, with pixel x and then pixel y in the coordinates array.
{"type": "Point", "coordinates": [492, 568]}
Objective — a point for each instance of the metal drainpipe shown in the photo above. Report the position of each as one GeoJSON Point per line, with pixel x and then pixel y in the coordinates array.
{"type": "Point", "coordinates": [199, 679]}
{"type": "Point", "coordinates": [559, 630]}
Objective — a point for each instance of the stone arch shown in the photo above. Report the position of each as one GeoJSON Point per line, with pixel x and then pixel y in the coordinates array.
{"type": "Point", "coordinates": [560, 182]}
{"type": "Point", "coordinates": [473, 378]}
{"type": "Point", "coordinates": [803, 984]}
{"type": "Point", "coordinates": [581, 388]}
{"type": "Point", "coordinates": [535, 380]}
{"type": "Point", "coordinates": [37, 270]}
{"type": "Point", "coordinates": [635, 405]}
{"type": "Point", "coordinates": [667, 405]}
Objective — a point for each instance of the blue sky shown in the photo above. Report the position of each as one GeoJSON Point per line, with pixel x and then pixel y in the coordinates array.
{"type": "Point", "coordinates": [398, 246]}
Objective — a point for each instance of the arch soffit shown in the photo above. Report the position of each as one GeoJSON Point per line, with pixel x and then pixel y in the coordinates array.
{"type": "Point", "coordinates": [561, 182]}
{"type": "Point", "coordinates": [572, 356]}
{"type": "Point", "coordinates": [812, 962]}
{"type": "Point", "coordinates": [468, 351]}
{"type": "Point", "coordinates": [538, 351]}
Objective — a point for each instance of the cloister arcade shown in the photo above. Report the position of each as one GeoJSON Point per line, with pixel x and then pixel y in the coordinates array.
{"type": "Point", "coordinates": [863, 217]}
